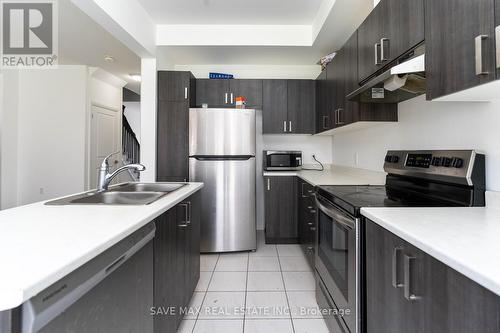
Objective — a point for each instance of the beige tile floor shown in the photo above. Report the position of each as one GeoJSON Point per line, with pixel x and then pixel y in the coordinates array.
{"type": "Point", "coordinates": [269, 290]}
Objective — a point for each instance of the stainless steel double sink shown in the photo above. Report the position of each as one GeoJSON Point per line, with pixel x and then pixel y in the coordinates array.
{"type": "Point", "coordinates": [122, 194]}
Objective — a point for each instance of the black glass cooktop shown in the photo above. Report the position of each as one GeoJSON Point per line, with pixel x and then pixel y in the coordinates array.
{"type": "Point", "coordinates": [353, 198]}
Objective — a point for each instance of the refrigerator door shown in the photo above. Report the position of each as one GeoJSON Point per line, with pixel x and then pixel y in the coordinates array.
{"type": "Point", "coordinates": [221, 132]}
{"type": "Point", "coordinates": [228, 210]}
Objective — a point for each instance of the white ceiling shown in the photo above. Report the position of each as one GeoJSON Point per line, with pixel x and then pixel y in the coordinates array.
{"type": "Point", "coordinates": [343, 19]}
{"type": "Point", "coordinates": [84, 42]}
{"type": "Point", "coordinates": [256, 12]}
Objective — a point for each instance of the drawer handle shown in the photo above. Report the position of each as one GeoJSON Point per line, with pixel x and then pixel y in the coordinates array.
{"type": "Point", "coordinates": [409, 262]}
{"type": "Point", "coordinates": [269, 184]}
{"type": "Point", "coordinates": [395, 267]}
{"type": "Point", "coordinates": [479, 54]}
{"type": "Point", "coordinates": [377, 51]}
{"type": "Point", "coordinates": [384, 55]}
{"type": "Point", "coordinates": [497, 42]}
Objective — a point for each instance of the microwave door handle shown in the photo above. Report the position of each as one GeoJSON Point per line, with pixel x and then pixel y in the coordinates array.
{"type": "Point", "coordinates": [340, 218]}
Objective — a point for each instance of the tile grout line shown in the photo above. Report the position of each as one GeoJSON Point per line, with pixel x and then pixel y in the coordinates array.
{"type": "Point", "coordinates": [284, 287]}
{"type": "Point", "coordinates": [205, 295]}
{"type": "Point", "coordinates": [246, 291]}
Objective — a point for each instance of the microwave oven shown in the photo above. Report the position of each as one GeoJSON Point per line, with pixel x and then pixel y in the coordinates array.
{"type": "Point", "coordinates": [279, 160]}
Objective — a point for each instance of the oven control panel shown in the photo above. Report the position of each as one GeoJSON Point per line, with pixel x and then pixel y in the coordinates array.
{"type": "Point", "coordinates": [447, 165]}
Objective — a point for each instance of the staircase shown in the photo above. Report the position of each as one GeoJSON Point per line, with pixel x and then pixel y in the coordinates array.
{"type": "Point", "coordinates": [131, 149]}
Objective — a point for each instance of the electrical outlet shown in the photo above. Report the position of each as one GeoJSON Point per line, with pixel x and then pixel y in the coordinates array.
{"type": "Point", "coordinates": [356, 159]}
{"type": "Point", "coordinates": [42, 190]}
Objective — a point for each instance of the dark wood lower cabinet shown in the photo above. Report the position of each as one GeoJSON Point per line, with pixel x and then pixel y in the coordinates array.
{"type": "Point", "coordinates": [306, 219]}
{"type": "Point", "coordinates": [280, 210]}
{"type": "Point", "coordinates": [176, 261]}
{"type": "Point", "coordinates": [408, 290]}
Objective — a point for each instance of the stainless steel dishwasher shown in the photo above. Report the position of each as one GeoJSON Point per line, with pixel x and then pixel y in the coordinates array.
{"type": "Point", "coordinates": [111, 293]}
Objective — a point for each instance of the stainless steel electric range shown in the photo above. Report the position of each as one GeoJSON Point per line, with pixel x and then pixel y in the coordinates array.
{"type": "Point", "coordinates": [439, 178]}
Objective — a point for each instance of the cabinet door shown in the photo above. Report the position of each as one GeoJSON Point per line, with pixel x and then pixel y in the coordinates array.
{"type": "Point", "coordinates": [387, 309]}
{"type": "Point", "coordinates": [280, 209]}
{"type": "Point", "coordinates": [332, 78]}
{"type": "Point", "coordinates": [458, 304]}
{"type": "Point", "coordinates": [369, 34]}
{"type": "Point", "coordinates": [348, 111]}
{"type": "Point", "coordinates": [193, 244]}
{"type": "Point", "coordinates": [168, 271]}
{"type": "Point", "coordinates": [250, 89]}
{"type": "Point", "coordinates": [457, 57]}
{"type": "Point", "coordinates": [214, 92]}
{"type": "Point", "coordinates": [301, 106]}
{"type": "Point", "coordinates": [322, 112]}
{"type": "Point", "coordinates": [172, 141]}
{"type": "Point", "coordinates": [274, 109]}
{"type": "Point", "coordinates": [174, 86]}
{"type": "Point", "coordinates": [406, 27]}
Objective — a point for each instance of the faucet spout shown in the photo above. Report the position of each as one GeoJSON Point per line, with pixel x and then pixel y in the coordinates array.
{"type": "Point", "coordinates": [105, 177]}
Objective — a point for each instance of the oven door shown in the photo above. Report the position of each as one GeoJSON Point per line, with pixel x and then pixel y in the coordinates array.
{"type": "Point", "coordinates": [337, 258]}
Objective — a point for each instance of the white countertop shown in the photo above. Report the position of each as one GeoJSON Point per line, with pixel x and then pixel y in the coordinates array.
{"type": "Point", "coordinates": [466, 239]}
{"type": "Point", "coordinates": [40, 244]}
{"type": "Point", "coordinates": [335, 175]}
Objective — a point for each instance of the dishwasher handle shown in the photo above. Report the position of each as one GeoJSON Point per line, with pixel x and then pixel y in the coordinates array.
{"type": "Point", "coordinates": [41, 309]}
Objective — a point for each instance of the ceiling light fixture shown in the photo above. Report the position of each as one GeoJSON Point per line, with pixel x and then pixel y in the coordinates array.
{"type": "Point", "coordinates": [109, 58]}
{"type": "Point", "coordinates": [135, 77]}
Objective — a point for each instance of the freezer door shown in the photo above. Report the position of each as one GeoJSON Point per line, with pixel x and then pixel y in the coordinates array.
{"type": "Point", "coordinates": [221, 132]}
{"type": "Point", "coordinates": [228, 203]}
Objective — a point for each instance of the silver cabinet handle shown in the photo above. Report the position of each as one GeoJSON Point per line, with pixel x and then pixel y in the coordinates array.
{"type": "Point", "coordinates": [325, 119]}
{"type": "Point", "coordinates": [395, 267]}
{"type": "Point", "coordinates": [336, 117]}
{"type": "Point", "coordinates": [479, 54]}
{"type": "Point", "coordinates": [312, 228]}
{"type": "Point", "coordinates": [226, 98]}
{"type": "Point", "coordinates": [377, 51]}
{"type": "Point", "coordinates": [310, 223]}
{"type": "Point", "coordinates": [284, 125]}
{"type": "Point", "coordinates": [290, 126]}
{"type": "Point", "coordinates": [185, 93]}
{"type": "Point", "coordinates": [497, 42]}
{"type": "Point", "coordinates": [339, 122]}
{"type": "Point", "coordinates": [231, 98]}
{"type": "Point", "coordinates": [384, 56]}
{"type": "Point", "coordinates": [408, 270]}
{"type": "Point", "coordinates": [302, 187]}
{"type": "Point", "coordinates": [269, 184]}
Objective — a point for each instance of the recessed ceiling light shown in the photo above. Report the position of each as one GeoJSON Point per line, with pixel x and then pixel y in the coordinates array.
{"type": "Point", "coordinates": [135, 77]}
{"type": "Point", "coordinates": [109, 58]}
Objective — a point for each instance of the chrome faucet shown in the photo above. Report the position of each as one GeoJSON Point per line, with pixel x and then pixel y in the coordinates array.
{"type": "Point", "coordinates": [105, 177]}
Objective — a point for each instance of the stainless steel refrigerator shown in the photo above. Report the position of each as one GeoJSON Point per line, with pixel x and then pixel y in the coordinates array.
{"type": "Point", "coordinates": [222, 155]}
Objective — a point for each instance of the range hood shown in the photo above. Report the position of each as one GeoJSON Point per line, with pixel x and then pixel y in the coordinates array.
{"type": "Point", "coordinates": [403, 81]}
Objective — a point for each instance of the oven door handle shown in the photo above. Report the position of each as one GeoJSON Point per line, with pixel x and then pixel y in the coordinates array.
{"type": "Point", "coordinates": [335, 214]}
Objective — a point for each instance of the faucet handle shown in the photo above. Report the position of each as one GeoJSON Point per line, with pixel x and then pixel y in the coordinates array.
{"type": "Point", "coordinates": [105, 164]}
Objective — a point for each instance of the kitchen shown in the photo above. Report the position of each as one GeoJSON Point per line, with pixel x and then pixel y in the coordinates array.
{"type": "Point", "coordinates": [356, 198]}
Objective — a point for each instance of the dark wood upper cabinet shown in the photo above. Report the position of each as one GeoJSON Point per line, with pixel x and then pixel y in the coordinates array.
{"type": "Point", "coordinates": [249, 88]}
{"type": "Point", "coordinates": [214, 92]}
{"type": "Point", "coordinates": [391, 29]}
{"type": "Point", "coordinates": [408, 290]}
{"type": "Point", "coordinates": [280, 209]}
{"type": "Point", "coordinates": [460, 45]}
{"type": "Point", "coordinates": [275, 105]}
{"type": "Point", "coordinates": [370, 32]}
{"type": "Point", "coordinates": [323, 120]}
{"type": "Point", "coordinates": [176, 86]}
{"type": "Point", "coordinates": [301, 106]}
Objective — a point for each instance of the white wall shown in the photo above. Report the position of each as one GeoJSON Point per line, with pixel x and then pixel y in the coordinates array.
{"type": "Point", "coordinates": [428, 125]}
{"type": "Point", "coordinates": [133, 114]}
{"type": "Point", "coordinates": [148, 119]}
{"type": "Point", "coordinates": [51, 133]}
{"type": "Point", "coordinates": [9, 97]}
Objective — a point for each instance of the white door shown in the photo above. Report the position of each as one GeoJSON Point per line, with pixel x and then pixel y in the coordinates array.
{"type": "Point", "coordinates": [105, 138]}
